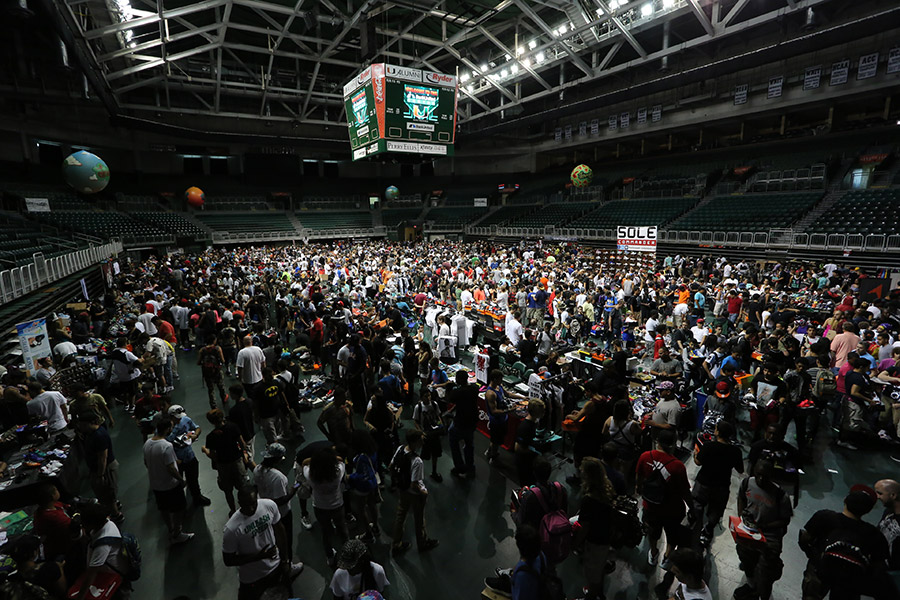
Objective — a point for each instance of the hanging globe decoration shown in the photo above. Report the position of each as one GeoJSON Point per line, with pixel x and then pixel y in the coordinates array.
{"type": "Point", "coordinates": [582, 175]}
{"type": "Point", "coordinates": [195, 197]}
{"type": "Point", "coordinates": [391, 193]}
{"type": "Point", "coordinates": [85, 172]}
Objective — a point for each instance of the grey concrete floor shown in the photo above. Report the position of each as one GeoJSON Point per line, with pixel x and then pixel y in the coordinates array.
{"type": "Point", "coordinates": [470, 517]}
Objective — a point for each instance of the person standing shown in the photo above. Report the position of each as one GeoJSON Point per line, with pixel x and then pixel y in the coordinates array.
{"type": "Point", "coordinates": [464, 402]}
{"type": "Point", "coordinates": [48, 406]}
{"type": "Point", "coordinates": [102, 463]}
{"type": "Point", "coordinates": [124, 373]}
{"type": "Point", "coordinates": [273, 485]}
{"type": "Point", "coordinates": [410, 472]}
{"type": "Point", "coordinates": [525, 438]}
{"type": "Point", "coordinates": [846, 555]}
{"type": "Point", "coordinates": [250, 362]}
{"type": "Point", "coordinates": [716, 459]}
{"type": "Point", "coordinates": [254, 541]}
{"type": "Point", "coordinates": [211, 360]}
{"type": "Point", "coordinates": [325, 472]}
{"type": "Point", "coordinates": [184, 432]}
{"type": "Point", "coordinates": [225, 448]}
{"type": "Point", "coordinates": [166, 479]}
{"type": "Point", "coordinates": [764, 505]}
{"type": "Point", "coordinates": [595, 517]}
{"type": "Point", "coordinates": [888, 492]}
{"type": "Point", "coordinates": [498, 412]}
{"type": "Point", "coordinates": [662, 482]}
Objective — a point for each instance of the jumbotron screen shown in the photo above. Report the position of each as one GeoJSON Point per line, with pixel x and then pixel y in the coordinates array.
{"type": "Point", "coordinates": [400, 109]}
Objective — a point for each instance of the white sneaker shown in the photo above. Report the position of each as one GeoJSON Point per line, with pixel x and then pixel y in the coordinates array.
{"type": "Point", "coordinates": [182, 538]}
{"type": "Point", "coordinates": [651, 558]}
{"type": "Point", "coordinates": [885, 435]}
{"type": "Point", "coordinates": [296, 569]}
{"type": "Point", "coordinates": [305, 523]}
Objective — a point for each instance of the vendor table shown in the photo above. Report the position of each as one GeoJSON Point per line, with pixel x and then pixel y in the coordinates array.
{"type": "Point", "coordinates": [58, 464]}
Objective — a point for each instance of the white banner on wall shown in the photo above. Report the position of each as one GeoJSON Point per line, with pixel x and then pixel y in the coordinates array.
{"type": "Point", "coordinates": [840, 72]}
{"type": "Point", "coordinates": [740, 94]}
{"type": "Point", "coordinates": [868, 66]}
{"type": "Point", "coordinates": [893, 65]}
{"type": "Point", "coordinates": [776, 86]}
{"type": "Point", "coordinates": [812, 78]}
{"type": "Point", "coordinates": [636, 239]}
{"type": "Point", "coordinates": [642, 116]}
{"type": "Point", "coordinates": [37, 205]}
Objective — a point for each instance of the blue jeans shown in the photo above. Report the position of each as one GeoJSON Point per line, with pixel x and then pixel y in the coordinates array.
{"type": "Point", "coordinates": [456, 436]}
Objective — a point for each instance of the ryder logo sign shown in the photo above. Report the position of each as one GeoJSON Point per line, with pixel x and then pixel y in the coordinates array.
{"type": "Point", "coordinates": [440, 79]}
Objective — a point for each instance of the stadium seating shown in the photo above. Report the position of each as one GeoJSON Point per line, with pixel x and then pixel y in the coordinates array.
{"type": "Point", "coordinates": [634, 212]}
{"type": "Point", "coordinates": [101, 224]}
{"type": "Point", "coordinates": [335, 220]}
{"type": "Point", "coordinates": [507, 213]}
{"type": "Point", "coordinates": [754, 212]}
{"type": "Point", "coordinates": [247, 223]}
{"type": "Point", "coordinates": [391, 217]}
{"type": "Point", "coordinates": [236, 203]}
{"type": "Point", "coordinates": [454, 217]}
{"type": "Point", "coordinates": [171, 222]}
{"type": "Point", "coordinates": [862, 211]}
{"type": "Point", "coordinates": [553, 214]}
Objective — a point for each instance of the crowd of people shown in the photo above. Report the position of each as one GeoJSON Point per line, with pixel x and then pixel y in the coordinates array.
{"type": "Point", "coordinates": [259, 321]}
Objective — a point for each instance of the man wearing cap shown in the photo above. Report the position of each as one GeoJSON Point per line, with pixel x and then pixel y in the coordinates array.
{"type": "Point", "coordinates": [888, 492]}
{"type": "Point", "coordinates": [667, 411]}
{"type": "Point", "coordinates": [184, 432]}
{"type": "Point", "coordinates": [846, 555]}
{"type": "Point", "coordinates": [700, 330]}
{"type": "Point", "coordinates": [272, 484]}
{"type": "Point", "coordinates": [666, 367]}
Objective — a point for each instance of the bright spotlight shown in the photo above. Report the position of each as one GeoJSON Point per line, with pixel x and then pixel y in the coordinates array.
{"type": "Point", "coordinates": [484, 68]}
{"type": "Point", "coordinates": [647, 10]}
{"type": "Point", "coordinates": [532, 44]}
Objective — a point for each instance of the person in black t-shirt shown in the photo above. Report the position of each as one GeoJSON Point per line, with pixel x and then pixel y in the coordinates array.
{"type": "Point", "coordinates": [773, 448]}
{"type": "Point", "coordinates": [846, 555]}
{"type": "Point", "coordinates": [241, 414]}
{"type": "Point", "coordinates": [225, 448]}
{"type": "Point", "coordinates": [267, 405]}
{"type": "Point", "coordinates": [525, 435]}
{"type": "Point", "coordinates": [464, 400]}
{"type": "Point", "coordinates": [710, 494]}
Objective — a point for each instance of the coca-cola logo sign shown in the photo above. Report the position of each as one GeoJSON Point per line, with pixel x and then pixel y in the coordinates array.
{"type": "Point", "coordinates": [379, 89]}
{"type": "Point", "coordinates": [440, 79]}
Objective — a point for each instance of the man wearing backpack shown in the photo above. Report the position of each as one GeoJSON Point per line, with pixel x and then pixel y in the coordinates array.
{"type": "Point", "coordinates": [409, 472]}
{"type": "Point", "coordinates": [662, 482]}
{"type": "Point", "coordinates": [106, 552]}
{"type": "Point", "coordinates": [532, 578]}
{"type": "Point", "coordinates": [764, 505]}
{"type": "Point", "coordinates": [846, 555]}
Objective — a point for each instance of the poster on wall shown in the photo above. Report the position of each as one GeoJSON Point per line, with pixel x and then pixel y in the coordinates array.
{"type": "Point", "coordinates": [740, 94]}
{"type": "Point", "coordinates": [595, 126]}
{"type": "Point", "coordinates": [557, 134]}
{"type": "Point", "coordinates": [641, 116]}
{"type": "Point", "coordinates": [625, 120]}
{"type": "Point", "coordinates": [812, 78]}
{"type": "Point", "coordinates": [656, 115]}
{"type": "Point", "coordinates": [893, 65]}
{"type": "Point", "coordinates": [37, 204]}
{"type": "Point", "coordinates": [776, 86]}
{"type": "Point", "coordinates": [613, 122]}
{"type": "Point", "coordinates": [840, 72]}
{"type": "Point", "coordinates": [582, 129]}
{"type": "Point", "coordinates": [868, 66]}
{"type": "Point", "coordinates": [568, 133]}
{"type": "Point", "coordinates": [636, 239]}
{"type": "Point", "coordinates": [34, 341]}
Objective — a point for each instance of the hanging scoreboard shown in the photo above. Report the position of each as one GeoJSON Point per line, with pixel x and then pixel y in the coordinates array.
{"type": "Point", "coordinates": [400, 109]}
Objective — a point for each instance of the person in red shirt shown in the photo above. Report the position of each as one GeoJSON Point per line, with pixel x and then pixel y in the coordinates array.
{"type": "Point", "coordinates": [734, 305]}
{"type": "Point", "coordinates": [659, 341]}
{"type": "Point", "coordinates": [52, 523]}
{"type": "Point", "coordinates": [164, 330]}
{"type": "Point", "coordinates": [662, 481]}
{"type": "Point", "coordinates": [316, 336]}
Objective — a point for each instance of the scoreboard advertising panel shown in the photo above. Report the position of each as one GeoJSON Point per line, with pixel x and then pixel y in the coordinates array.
{"type": "Point", "coordinates": [400, 109]}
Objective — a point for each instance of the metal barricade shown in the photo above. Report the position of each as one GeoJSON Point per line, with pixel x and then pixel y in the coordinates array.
{"type": "Point", "coordinates": [800, 240]}
{"type": "Point", "coordinates": [818, 240]}
{"type": "Point", "coordinates": [760, 239]}
{"type": "Point", "coordinates": [855, 240]}
{"type": "Point", "coordinates": [875, 241]}
{"type": "Point", "coordinates": [836, 240]}
{"type": "Point", "coordinates": [892, 243]}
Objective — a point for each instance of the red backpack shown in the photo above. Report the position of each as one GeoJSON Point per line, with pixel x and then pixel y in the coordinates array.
{"type": "Point", "coordinates": [555, 529]}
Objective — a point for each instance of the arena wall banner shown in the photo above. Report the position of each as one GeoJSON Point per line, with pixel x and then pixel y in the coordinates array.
{"type": "Point", "coordinates": [34, 341]}
{"type": "Point", "coordinates": [37, 204]}
{"type": "Point", "coordinates": [636, 239]}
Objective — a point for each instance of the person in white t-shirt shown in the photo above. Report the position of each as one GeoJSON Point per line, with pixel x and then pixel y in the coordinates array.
{"type": "Point", "coordinates": [104, 548]}
{"type": "Point", "coordinates": [250, 362]}
{"type": "Point", "coordinates": [356, 572]}
{"type": "Point", "coordinates": [48, 406]}
{"type": "Point", "coordinates": [687, 567]}
{"type": "Point", "coordinates": [254, 541]}
{"type": "Point", "coordinates": [166, 480]}
{"type": "Point", "coordinates": [273, 485]}
{"type": "Point", "coordinates": [514, 330]}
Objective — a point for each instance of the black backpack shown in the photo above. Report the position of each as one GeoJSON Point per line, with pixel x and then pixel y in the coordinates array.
{"type": "Point", "coordinates": [843, 562]}
{"type": "Point", "coordinates": [627, 531]}
{"type": "Point", "coordinates": [401, 469]}
{"type": "Point", "coordinates": [550, 586]}
{"type": "Point", "coordinates": [653, 490]}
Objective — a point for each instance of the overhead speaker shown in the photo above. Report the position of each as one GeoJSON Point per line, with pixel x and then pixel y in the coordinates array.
{"type": "Point", "coordinates": [368, 42]}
